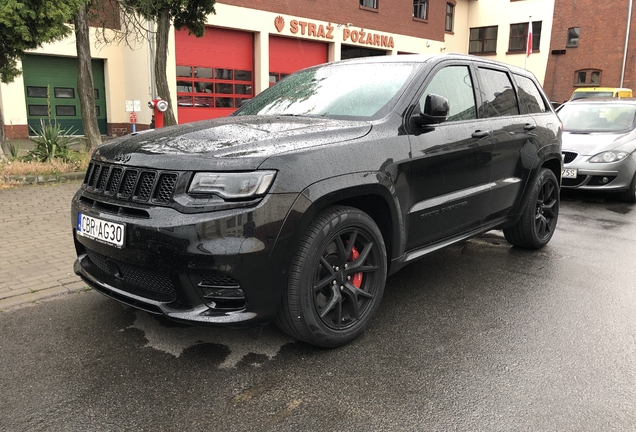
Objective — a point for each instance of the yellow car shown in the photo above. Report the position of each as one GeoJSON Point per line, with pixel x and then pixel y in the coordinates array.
{"type": "Point", "coordinates": [601, 92]}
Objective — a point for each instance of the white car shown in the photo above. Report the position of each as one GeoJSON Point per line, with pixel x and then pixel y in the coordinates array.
{"type": "Point", "coordinates": [599, 139]}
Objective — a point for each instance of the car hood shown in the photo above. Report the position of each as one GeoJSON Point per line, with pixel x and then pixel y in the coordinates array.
{"type": "Point", "coordinates": [238, 143]}
{"type": "Point", "coordinates": [593, 143]}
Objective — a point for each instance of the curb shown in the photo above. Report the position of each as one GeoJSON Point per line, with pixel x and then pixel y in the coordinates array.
{"type": "Point", "coordinates": [49, 178]}
{"type": "Point", "coordinates": [36, 296]}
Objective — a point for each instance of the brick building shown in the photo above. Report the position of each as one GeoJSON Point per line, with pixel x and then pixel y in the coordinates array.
{"type": "Point", "coordinates": [587, 47]}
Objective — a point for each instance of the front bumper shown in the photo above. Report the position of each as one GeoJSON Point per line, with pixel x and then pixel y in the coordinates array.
{"type": "Point", "coordinates": [225, 268]}
{"type": "Point", "coordinates": [608, 177]}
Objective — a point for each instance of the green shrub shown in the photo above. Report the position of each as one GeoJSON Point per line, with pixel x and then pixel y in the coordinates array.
{"type": "Point", "coordinates": [51, 141]}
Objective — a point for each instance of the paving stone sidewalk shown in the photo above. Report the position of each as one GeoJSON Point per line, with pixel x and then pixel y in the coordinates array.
{"type": "Point", "coordinates": [36, 244]}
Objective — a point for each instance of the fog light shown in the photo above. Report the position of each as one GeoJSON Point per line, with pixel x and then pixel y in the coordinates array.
{"type": "Point", "coordinates": [604, 180]}
{"type": "Point", "coordinates": [223, 293]}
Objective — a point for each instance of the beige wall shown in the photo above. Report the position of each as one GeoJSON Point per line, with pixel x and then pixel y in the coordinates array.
{"type": "Point", "coordinates": [126, 74]}
{"type": "Point", "coordinates": [457, 42]}
{"type": "Point", "coordinates": [505, 12]}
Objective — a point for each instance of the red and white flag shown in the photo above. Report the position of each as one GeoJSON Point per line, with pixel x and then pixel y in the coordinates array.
{"type": "Point", "coordinates": [529, 41]}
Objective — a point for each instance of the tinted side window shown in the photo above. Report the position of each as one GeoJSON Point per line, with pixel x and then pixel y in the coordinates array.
{"type": "Point", "coordinates": [456, 85]}
{"type": "Point", "coordinates": [529, 96]}
{"type": "Point", "coordinates": [498, 94]}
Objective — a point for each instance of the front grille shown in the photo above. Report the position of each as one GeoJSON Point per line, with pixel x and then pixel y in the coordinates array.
{"type": "Point", "coordinates": [568, 156]}
{"type": "Point", "coordinates": [152, 284]}
{"type": "Point", "coordinates": [571, 182]}
{"type": "Point", "coordinates": [113, 183]}
{"type": "Point", "coordinates": [131, 184]}
{"type": "Point", "coordinates": [130, 178]}
{"type": "Point", "coordinates": [144, 186]}
{"type": "Point", "coordinates": [163, 192]}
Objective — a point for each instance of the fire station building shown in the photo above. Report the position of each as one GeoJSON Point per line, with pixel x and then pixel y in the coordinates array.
{"type": "Point", "coordinates": [250, 45]}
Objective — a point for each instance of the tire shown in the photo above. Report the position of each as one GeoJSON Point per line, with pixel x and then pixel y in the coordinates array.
{"type": "Point", "coordinates": [630, 194]}
{"type": "Point", "coordinates": [539, 219]}
{"type": "Point", "coordinates": [334, 287]}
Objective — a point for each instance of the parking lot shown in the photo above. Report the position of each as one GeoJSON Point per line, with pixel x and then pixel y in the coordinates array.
{"type": "Point", "coordinates": [480, 336]}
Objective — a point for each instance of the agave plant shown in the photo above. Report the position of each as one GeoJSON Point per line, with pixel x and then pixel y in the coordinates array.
{"type": "Point", "coordinates": [14, 150]}
{"type": "Point", "coordinates": [51, 141]}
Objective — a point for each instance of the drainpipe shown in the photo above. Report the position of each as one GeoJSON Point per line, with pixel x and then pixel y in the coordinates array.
{"type": "Point", "coordinates": [629, 21]}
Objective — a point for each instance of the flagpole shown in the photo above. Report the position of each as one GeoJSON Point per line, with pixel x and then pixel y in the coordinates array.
{"type": "Point", "coordinates": [528, 41]}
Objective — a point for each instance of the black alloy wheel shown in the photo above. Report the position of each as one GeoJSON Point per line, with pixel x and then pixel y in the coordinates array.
{"type": "Point", "coordinates": [547, 209]}
{"type": "Point", "coordinates": [343, 284]}
{"type": "Point", "coordinates": [337, 279]}
{"type": "Point", "coordinates": [539, 219]}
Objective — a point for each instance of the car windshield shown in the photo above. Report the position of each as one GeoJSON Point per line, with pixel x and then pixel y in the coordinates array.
{"type": "Point", "coordinates": [597, 117]}
{"type": "Point", "coordinates": [583, 95]}
{"type": "Point", "coordinates": [352, 91]}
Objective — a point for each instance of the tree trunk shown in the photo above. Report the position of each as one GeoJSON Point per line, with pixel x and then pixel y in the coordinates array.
{"type": "Point", "coordinates": [85, 87]}
{"type": "Point", "coordinates": [3, 157]}
{"type": "Point", "coordinates": [161, 59]}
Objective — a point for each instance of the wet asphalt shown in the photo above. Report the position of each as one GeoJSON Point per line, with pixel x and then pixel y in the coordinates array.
{"type": "Point", "coordinates": [477, 337]}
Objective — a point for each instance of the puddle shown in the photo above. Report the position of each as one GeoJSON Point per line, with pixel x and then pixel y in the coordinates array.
{"type": "Point", "coordinates": [175, 340]}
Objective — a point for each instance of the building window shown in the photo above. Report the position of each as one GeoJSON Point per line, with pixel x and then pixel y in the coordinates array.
{"type": "Point", "coordinates": [519, 35]}
{"type": "Point", "coordinates": [64, 92]}
{"type": "Point", "coordinates": [372, 4]}
{"type": "Point", "coordinates": [450, 11]}
{"type": "Point", "coordinates": [204, 87]}
{"type": "Point", "coordinates": [420, 9]}
{"type": "Point", "coordinates": [65, 111]}
{"type": "Point", "coordinates": [573, 37]}
{"type": "Point", "coordinates": [38, 110]}
{"type": "Point", "coordinates": [37, 92]}
{"type": "Point", "coordinates": [483, 40]}
{"type": "Point", "coordinates": [595, 78]}
{"type": "Point", "coordinates": [587, 78]}
{"type": "Point", "coordinates": [274, 77]}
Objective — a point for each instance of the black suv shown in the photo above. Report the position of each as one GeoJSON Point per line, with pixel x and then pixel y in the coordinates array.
{"type": "Point", "coordinates": [297, 207]}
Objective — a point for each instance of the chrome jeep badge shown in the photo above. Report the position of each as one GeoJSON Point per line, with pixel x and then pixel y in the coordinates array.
{"type": "Point", "coordinates": [121, 158]}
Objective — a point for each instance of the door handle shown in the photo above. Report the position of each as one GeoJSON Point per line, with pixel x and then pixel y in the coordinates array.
{"type": "Point", "coordinates": [480, 134]}
{"type": "Point", "coordinates": [529, 127]}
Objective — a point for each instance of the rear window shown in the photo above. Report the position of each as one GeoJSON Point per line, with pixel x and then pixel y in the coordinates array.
{"type": "Point", "coordinates": [597, 117]}
{"type": "Point", "coordinates": [498, 94]}
{"type": "Point", "coordinates": [583, 95]}
{"type": "Point", "coordinates": [529, 96]}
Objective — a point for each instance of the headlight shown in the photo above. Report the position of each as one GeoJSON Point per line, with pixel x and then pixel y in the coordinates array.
{"type": "Point", "coordinates": [609, 156]}
{"type": "Point", "coordinates": [232, 185]}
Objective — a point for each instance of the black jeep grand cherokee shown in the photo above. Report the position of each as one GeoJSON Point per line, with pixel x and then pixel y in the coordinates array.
{"type": "Point", "coordinates": [297, 207]}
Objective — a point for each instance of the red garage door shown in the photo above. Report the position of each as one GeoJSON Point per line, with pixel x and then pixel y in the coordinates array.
{"type": "Point", "coordinates": [289, 55]}
{"type": "Point", "coordinates": [214, 73]}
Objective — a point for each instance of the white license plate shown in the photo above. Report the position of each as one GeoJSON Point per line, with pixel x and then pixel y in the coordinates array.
{"type": "Point", "coordinates": [569, 173]}
{"type": "Point", "coordinates": [106, 232]}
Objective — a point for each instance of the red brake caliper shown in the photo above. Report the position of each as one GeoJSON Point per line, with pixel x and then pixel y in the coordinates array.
{"type": "Point", "coordinates": [356, 279]}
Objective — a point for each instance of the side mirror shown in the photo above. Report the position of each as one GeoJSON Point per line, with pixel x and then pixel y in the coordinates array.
{"type": "Point", "coordinates": [436, 111]}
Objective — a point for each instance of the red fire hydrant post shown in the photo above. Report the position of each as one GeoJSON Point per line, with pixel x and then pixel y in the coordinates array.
{"type": "Point", "coordinates": [158, 106]}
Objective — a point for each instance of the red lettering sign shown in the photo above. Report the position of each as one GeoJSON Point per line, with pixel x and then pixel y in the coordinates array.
{"type": "Point", "coordinates": [320, 31]}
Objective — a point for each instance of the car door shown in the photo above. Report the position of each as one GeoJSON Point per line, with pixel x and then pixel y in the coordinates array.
{"type": "Point", "coordinates": [511, 131]}
{"type": "Point", "coordinates": [451, 162]}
